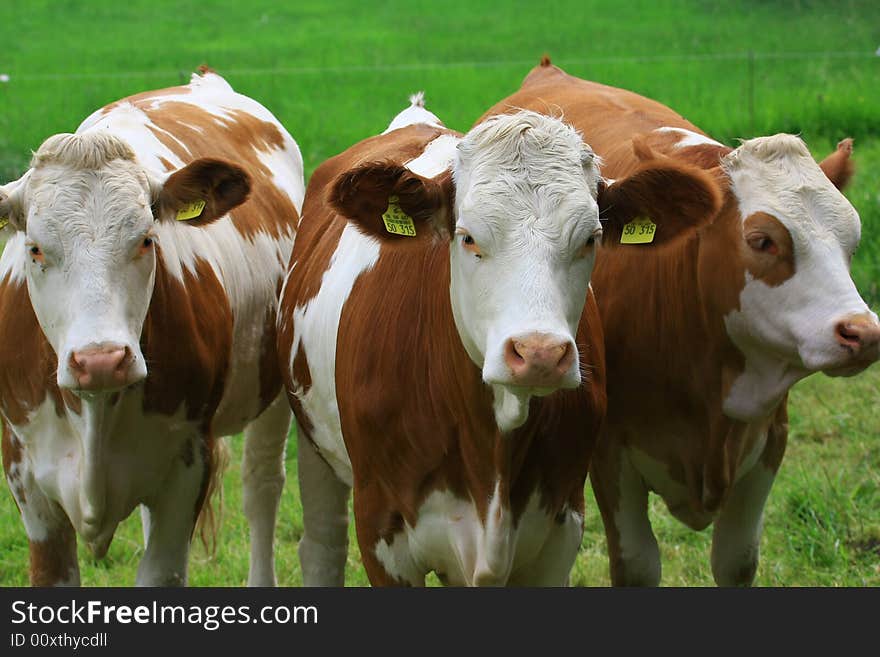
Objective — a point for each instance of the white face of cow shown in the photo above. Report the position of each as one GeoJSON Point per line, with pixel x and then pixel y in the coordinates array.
{"type": "Point", "coordinates": [86, 210]}
{"type": "Point", "coordinates": [799, 305]}
{"type": "Point", "coordinates": [526, 229]}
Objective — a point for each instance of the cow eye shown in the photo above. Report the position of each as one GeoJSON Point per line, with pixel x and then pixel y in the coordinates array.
{"type": "Point", "coordinates": [469, 244]}
{"type": "Point", "coordinates": [589, 244]}
{"type": "Point", "coordinates": [36, 253]}
{"type": "Point", "coordinates": [763, 243]}
{"type": "Point", "coordinates": [146, 246]}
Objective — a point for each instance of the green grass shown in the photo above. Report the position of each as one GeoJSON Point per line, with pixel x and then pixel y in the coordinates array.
{"type": "Point", "coordinates": [336, 72]}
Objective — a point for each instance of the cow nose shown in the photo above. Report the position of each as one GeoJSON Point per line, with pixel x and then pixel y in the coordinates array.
{"type": "Point", "coordinates": [860, 334]}
{"type": "Point", "coordinates": [102, 367]}
{"type": "Point", "coordinates": [539, 359]}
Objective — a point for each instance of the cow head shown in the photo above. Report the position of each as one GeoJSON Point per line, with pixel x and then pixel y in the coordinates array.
{"type": "Point", "coordinates": [799, 307]}
{"type": "Point", "coordinates": [88, 212]}
{"type": "Point", "coordinates": [519, 200]}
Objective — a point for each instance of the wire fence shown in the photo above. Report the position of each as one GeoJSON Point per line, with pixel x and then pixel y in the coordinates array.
{"type": "Point", "coordinates": [432, 66]}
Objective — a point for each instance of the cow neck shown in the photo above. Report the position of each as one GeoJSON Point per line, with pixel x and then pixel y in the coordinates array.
{"type": "Point", "coordinates": [187, 341]}
{"type": "Point", "coordinates": [438, 429]}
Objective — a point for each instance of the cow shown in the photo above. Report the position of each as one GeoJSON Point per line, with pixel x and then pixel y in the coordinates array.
{"type": "Point", "coordinates": [138, 295]}
{"type": "Point", "coordinates": [704, 338]}
{"type": "Point", "coordinates": [435, 328]}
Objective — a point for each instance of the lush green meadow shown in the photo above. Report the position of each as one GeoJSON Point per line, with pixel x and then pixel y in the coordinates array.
{"type": "Point", "coordinates": [335, 72]}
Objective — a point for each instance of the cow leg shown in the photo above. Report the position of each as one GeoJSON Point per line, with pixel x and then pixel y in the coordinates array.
{"type": "Point", "coordinates": [262, 477]}
{"type": "Point", "coordinates": [736, 536]}
{"type": "Point", "coordinates": [51, 537]}
{"type": "Point", "coordinates": [553, 564]}
{"type": "Point", "coordinates": [172, 518]}
{"type": "Point", "coordinates": [622, 497]}
{"type": "Point", "coordinates": [323, 549]}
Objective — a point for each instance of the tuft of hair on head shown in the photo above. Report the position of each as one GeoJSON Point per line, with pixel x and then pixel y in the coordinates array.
{"type": "Point", "coordinates": [88, 150]}
{"type": "Point", "coordinates": [417, 99]}
{"type": "Point", "coordinates": [204, 68]}
{"type": "Point", "coordinates": [766, 150]}
{"type": "Point", "coordinates": [545, 60]}
{"type": "Point", "coordinates": [508, 136]}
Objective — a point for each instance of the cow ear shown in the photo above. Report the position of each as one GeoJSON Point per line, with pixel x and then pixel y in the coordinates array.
{"type": "Point", "coordinates": [660, 202]}
{"type": "Point", "coordinates": [391, 203]}
{"type": "Point", "coordinates": [201, 192]}
{"type": "Point", "coordinates": [839, 166]}
{"type": "Point", "coordinates": [12, 210]}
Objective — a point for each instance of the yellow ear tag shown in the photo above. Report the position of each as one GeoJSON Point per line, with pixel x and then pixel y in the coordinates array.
{"type": "Point", "coordinates": [4, 221]}
{"type": "Point", "coordinates": [397, 221]}
{"type": "Point", "coordinates": [190, 211]}
{"type": "Point", "coordinates": [638, 231]}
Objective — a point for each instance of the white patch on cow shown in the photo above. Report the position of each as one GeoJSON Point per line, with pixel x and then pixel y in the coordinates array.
{"type": "Point", "coordinates": [13, 260]}
{"type": "Point", "coordinates": [436, 158]}
{"type": "Point", "coordinates": [450, 539]}
{"type": "Point", "coordinates": [415, 113]}
{"type": "Point", "coordinates": [98, 478]}
{"type": "Point", "coordinates": [316, 325]}
{"type": "Point", "coordinates": [511, 408]}
{"type": "Point", "coordinates": [690, 138]}
{"type": "Point", "coordinates": [788, 331]}
{"type": "Point", "coordinates": [287, 171]}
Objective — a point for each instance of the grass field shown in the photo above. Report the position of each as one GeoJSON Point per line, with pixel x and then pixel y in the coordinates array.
{"type": "Point", "coordinates": [335, 72]}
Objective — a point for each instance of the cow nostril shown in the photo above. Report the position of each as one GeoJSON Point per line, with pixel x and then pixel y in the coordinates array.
{"type": "Point", "coordinates": [847, 335]}
{"type": "Point", "coordinates": [566, 356]}
{"type": "Point", "coordinates": [74, 363]}
{"type": "Point", "coordinates": [514, 351]}
{"type": "Point", "coordinates": [125, 359]}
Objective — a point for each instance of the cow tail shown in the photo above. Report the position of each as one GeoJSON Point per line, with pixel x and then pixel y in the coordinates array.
{"type": "Point", "coordinates": [211, 513]}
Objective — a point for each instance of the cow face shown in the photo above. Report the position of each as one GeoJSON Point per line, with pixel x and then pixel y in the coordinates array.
{"type": "Point", "coordinates": [88, 211]}
{"type": "Point", "coordinates": [799, 305]}
{"type": "Point", "coordinates": [526, 229]}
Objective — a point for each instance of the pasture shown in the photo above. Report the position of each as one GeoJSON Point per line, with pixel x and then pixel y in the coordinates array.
{"type": "Point", "coordinates": [334, 73]}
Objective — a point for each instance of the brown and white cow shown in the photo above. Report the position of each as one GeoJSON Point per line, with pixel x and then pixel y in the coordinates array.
{"type": "Point", "coordinates": [138, 295]}
{"type": "Point", "coordinates": [705, 338]}
{"type": "Point", "coordinates": [452, 376]}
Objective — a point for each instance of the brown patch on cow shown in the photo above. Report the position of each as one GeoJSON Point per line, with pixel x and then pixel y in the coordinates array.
{"type": "Point", "coordinates": [773, 268]}
{"type": "Point", "coordinates": [147, 97]}
{"type": "Point", "coordinates": [270, 374]}
{"type": "Point", "coordinates": [52, 561]}
{"type": "Point", "coordinates": [301, 373]}
{"type": "Point", "coordinates": [187, 341]}
{"type": "Point", "coordinates": [13, 453]}
{"type": "Point", "coordinates": [238, 138]}
{"type": "Point", "coordinates": [27, 361]}
{"type": "Point", "coordinates": [608, 118]}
